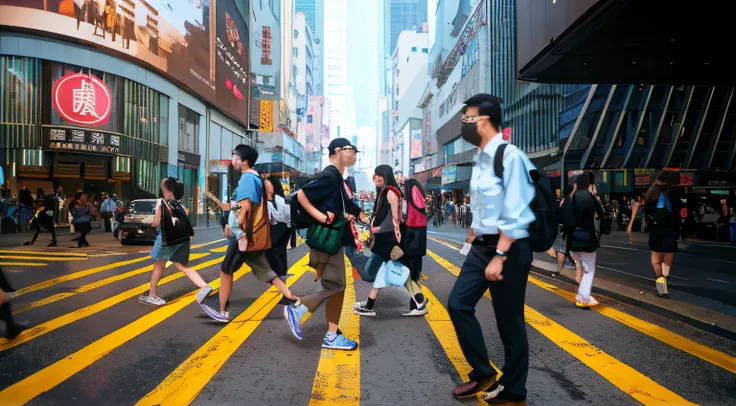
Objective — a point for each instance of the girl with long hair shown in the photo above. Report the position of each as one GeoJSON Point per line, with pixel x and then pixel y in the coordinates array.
{"type": "Point", "coordinates": [662, 210]}
{"type": "Point", "coordinates": [386, 230]}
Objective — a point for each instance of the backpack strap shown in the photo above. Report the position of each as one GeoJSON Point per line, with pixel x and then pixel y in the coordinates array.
{"type": "Point", "coordinates": [498, 160]}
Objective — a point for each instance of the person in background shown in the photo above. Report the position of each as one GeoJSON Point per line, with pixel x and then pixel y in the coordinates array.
{"type": "Point", "coordinates": [119, 220]}
{"type": "Point", "coordinates": [500, 258]}
{"type": "Point", "coordinates": [280, 214]}
{"type": "Point", "coordinates": [178, 254]}
{"type": "Point", "coordinates": [107, 211]}
{"type": "Point", "coordinates": [583, 241]}
{"type": "Point", "coordinates": [662, 206]}
{"type": "Point", "coordinates": [82, 212]}
{"type": "Point", "coordinates": [44, 217]}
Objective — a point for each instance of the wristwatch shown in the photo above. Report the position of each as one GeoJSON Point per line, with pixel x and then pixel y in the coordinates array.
{"type": "Point", "coordinates": [502, 255]}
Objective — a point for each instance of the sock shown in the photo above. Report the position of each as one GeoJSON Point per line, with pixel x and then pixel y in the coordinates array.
{"type": "Point", "coordinates": [370, 303]}
{"type": "Point", "coordinates": [665, 270]}
{"type": "Point", "coordinates": [419, 297]}
{"type": "Point", "coordinates": [330, 336]}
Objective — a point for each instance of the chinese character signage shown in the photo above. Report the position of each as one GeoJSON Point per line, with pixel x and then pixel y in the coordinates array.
{"type": "Point", "coordinates": [82, 99]}
{"type": "Point", "coordinates": [266, 124]}
{"type": "Point", "coordinates": [416, 143]}
{"type": "Point", "coordinates": [449, 174]}
{"type": "Point", "coordinates": [80, 141]}
{"type": "Point", "coordinates": [266, 46]}
{"type": "Point", "coordinates": [202, 43]}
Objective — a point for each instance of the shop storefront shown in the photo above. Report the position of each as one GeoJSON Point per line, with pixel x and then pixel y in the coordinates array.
{"type": "Point", "coordinates": [65, 126]}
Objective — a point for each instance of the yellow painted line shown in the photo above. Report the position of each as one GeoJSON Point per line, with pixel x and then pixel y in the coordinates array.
{"type": "Point", "coordinates": [22, 264]}
{"type": "Point", "coordinates": [44, 252]}
{"type": "Point", "coordinates": [77, 315]}
{"type": "Point", "coordinates": [219, 249]}
{"type": "Point", "coordinates": [691, 347]}
{"type": "Point", "coordinates": [337, 380]}
{"type": "Point", "coordinates": [703, 352]}
{"type": "Point", "coordinates": [183, 385]}
{"type": "Point", "coordinates": [624, 377]}
{"type": "Point", "coordinates": [95, 285]}
{"type": "Point", "coordinates": [77, 275]}
{"type": "Point", "coordinates": [44, 258]}
{"type": "Point", "coordinates": [437, 240]}
{"type": "Point", "coordinates": [208, 243]}
{"type": "Point", "coordinates": [58, 372]}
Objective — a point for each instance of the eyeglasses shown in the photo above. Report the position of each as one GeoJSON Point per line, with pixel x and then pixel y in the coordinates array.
{"type": "Point", "coordinates": [346, 149]}
{"type": "Point", "coordinates": [472, 119]}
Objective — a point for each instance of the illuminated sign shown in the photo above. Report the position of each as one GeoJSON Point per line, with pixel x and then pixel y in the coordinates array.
{"type": "Point", "coordinates": [79, 140]}
{"type": "Point", "coordinates": [82, 99]}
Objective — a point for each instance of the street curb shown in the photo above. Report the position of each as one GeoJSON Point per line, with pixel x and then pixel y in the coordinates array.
{"type": "Point", "coordinates": [691, 321]}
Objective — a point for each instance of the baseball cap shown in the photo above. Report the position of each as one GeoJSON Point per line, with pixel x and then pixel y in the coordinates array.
{"type": "Point", "coordinates": [340, 143]}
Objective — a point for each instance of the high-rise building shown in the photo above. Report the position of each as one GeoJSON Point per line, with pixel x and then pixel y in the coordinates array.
{"type": "Point", "coordinates": [314, 11]}
{"type": "Point", "coordinates": [335, 73]}
{"type": "Point", "coordinates": [402, 15]}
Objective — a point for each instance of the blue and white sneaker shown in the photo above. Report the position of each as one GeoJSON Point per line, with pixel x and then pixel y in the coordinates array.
{"type": "Point", "coordinates": [338, 342]}
{"type": "Point", "coordinates": [203, 293]}
{"type": "Point", "coordinates": [222, 317]}
{"type": "Point", "coordinates": [293, 316]}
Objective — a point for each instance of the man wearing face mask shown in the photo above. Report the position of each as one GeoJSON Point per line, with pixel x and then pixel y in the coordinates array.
{"type": "Point", "coordinates": [499, 259]}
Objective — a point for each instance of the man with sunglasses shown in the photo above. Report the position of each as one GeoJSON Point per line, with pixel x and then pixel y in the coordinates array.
{"type": "Point", "coordinates": [499, 259]}
{"type": "Point", "coordinates": [326, 202]}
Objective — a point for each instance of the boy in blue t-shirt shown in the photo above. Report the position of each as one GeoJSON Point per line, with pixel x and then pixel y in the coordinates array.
{"type": "Point", "coordinates": [248, 193]}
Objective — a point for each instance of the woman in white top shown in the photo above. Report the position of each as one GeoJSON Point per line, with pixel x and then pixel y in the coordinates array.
{"type": "Point", "coordinates": [280, 214]}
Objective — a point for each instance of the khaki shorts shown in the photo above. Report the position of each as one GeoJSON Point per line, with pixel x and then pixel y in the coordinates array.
{"type": "Point", "coordinates": [257, 262]}
{"type": "Point", "coordinates": [334, 272]}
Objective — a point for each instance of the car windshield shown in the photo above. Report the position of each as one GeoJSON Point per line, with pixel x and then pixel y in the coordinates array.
{"type": "Point", "coordinates": [142, 207]}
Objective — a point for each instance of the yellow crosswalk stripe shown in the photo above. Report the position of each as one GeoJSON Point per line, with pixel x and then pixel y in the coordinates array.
{"type": "Point", "coordinates": [195, 246]}
{"type": "Point", "coordinates": [45, 251]}
{"type": "Point", "coordinates": [22, 264]}
{"type": "Point", "coordinates": [691, 347]}
{"type": "Point", "coordinates": [58, 372]}
{"type": "Point", "coordinates": [629, 380]}
{"type": "Point", "coordinates": [95, 285]}
{"type": "Point", "coordinates": [44, 258]}
{"type": "Point", "coordinates": [77, 315]}
{"type": "Point", "coordinates": [337, 380]}
{"type": "Point", "coordinates": [183, 385]}
{"type": "Point", "coordinates": [77, 275]}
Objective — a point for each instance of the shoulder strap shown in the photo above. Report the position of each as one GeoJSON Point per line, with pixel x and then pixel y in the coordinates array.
{"type": "Point", "coordinates": [498, 160]}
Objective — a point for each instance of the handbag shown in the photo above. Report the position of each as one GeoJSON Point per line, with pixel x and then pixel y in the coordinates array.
{"type": "Point", "coordinates": [175, 225]}
{"type": "Point", "coordinates": [396, 273]}
{"type": "Point", "coordinates": [328, 237]}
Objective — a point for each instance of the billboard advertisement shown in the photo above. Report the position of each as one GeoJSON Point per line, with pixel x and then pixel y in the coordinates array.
{"type": "Point", "coordinates": [416, 143]}
{"type": "Point", "coordinates": [265, 49]}
{"type": "Point", "coordinates": [178, 40]}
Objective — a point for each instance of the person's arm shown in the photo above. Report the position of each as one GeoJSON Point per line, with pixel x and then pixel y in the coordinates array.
{"type": "Point", "coordinates": [311, 210]}
{"type": "Point", "coordinates": [393, 201]}
{"type": "Point", "coordinates": [218, 202]}
{"type": "Point", "coordinates": [244, 207]}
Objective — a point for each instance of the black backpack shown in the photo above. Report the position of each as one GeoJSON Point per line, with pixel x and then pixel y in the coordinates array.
{"type": "Point", "coordinates": [300, 219]}
{"type": "Point", "coordinates": [543, 231]}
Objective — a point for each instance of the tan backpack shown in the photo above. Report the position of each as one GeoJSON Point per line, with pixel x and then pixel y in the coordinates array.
{"type": "Point", "coordinates": [258, 226]}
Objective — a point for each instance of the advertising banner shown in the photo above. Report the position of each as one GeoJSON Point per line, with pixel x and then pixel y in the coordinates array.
{"type": "Point", "coordinates": [416, 143]}
{"type": "Point", "coordinates": [449, 174]}
{"type": "Point", "coordinates": [183, 41]}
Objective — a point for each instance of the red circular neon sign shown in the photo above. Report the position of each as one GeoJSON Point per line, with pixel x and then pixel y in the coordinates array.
{"type": "Point", "coordinates": [82, 99]}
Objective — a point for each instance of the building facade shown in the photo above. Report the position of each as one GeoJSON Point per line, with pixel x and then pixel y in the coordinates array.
{"type": "Point", "coordinates": [114, 109]}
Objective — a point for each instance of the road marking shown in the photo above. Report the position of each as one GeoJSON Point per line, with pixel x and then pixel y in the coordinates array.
{"type": "Point", "coordinates": [58, 372]}
{"type": "Point", "coordinates": [440, 323]}
{"type": "Point", "coordinates": [703, 352]}
{"type": "Point", "coordinates": [626, 378]}
{"type": "Point", "coordinates": [22, 264]}
{"type": "Point", "coordinates": [719, 280]}
{"type": "Point", "coordinates": [626, 273]}
{"type": "Point", "coordinates": [61, 321]}
{"type": "Point", "coordinates": [219, 249]}
{"type": "Point", "coordinates": [195, 246]}
{"type": "Point", "coordinates": [45, 251]}
{"type": "Point", "coordinates": [44, 258]}
{"type": "Point", "coordinates": [183, 385]}
{"type": "Point", "coordinates": [437, 240]}
{"type": "Point", "coordinates": [95, 285]}
{"type": "Point", "coordinates": [337, 380]}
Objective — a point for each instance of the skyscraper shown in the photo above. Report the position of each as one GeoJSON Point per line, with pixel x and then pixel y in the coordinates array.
{"type": "Point", "coordinates": [335, 74]}
{"type": "Point", "coordinates": [400, 15]}
{"type": "Point", "coordinates": [314, 10]}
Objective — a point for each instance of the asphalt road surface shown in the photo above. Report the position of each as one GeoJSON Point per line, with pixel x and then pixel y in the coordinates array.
{"type": "Point", "coordinates": [92, 343]}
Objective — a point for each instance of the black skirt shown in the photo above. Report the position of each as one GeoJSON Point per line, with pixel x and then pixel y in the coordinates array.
{"type": "Point", "coordinates": [663, 240]}
{"type": "Point", "coordinates": [383, 244]}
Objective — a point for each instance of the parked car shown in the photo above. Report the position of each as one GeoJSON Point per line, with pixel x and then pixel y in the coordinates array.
{"type": "Point", "coordinates": [137, 224]}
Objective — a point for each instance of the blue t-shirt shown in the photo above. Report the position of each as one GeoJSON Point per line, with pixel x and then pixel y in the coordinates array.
{"type": "Point", "coordinates": [250, 187]}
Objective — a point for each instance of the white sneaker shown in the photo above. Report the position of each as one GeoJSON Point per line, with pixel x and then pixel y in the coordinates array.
{"type": "Point", "coordinates": [151, 300]}
{"type": "Point", "coordinates": [358, 305]}
{"type": "Point", "coordinates": [417, 312]}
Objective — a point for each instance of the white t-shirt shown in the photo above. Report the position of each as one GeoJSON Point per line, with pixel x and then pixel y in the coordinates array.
{"type": "Point", "coordinates": [279, 211]}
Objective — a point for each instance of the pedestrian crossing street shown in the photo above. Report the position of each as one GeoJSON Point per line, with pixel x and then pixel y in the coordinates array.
{"type": "Point", "coordinates": [92, 343]}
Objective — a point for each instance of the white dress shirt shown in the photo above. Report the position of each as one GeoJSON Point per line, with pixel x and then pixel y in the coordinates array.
{"type": "Point", "coordinates": [502, 204]}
